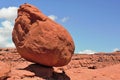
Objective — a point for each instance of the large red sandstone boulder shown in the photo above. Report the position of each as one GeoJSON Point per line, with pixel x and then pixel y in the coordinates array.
{"type": "Point", "coordinates": [41, 40]}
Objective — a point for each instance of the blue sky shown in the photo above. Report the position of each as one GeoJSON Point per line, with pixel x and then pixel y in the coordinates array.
{"type": "Point", "coordinates": [93, 24]}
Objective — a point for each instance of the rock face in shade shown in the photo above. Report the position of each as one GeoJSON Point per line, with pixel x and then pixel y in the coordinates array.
{"type": "Point", "coordinates": [41, 40]}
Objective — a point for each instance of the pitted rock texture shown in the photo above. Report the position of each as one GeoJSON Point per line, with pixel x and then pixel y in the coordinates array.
{"type": "Point", "coordinates": [41, 40]}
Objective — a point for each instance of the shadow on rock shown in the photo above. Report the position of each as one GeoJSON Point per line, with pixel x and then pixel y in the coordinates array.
{"type": "Point", "coordinates": [45, 72]}
{"type": "Point", "coordinates": [60, 76]}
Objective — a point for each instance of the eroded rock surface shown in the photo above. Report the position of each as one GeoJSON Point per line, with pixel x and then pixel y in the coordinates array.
{"type": "Point", "coordinates": [40, 39]}
{"type": "Point", "coordinates": [95, 61]}
{"type": "Point", "coordinates": [98, 66]}
{"type": "Point", "coordinates": [4, 70]}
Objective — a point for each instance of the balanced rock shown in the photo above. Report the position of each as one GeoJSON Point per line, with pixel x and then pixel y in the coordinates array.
{"type": "Point", "coordinates": [40, 39]}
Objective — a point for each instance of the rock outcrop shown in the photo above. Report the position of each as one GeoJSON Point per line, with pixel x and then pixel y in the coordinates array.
{"type": "Point", "coordinates": [106, 67]}
{"type": "Point", "coordinates": [40, 39]}
{"type": "Point", "coordinates": [4, 70]}
{"type": "Point", "coordinates": [95, 61]}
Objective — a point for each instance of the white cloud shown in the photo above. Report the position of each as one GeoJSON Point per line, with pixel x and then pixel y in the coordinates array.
{"type": "Point", "coordinates": [87, 52]}
{"type": "Point", "coordinates": [6, 34]}
{"type": "Point", "coordinates": [9, 13]}
{"type": "Point", "coordinates": [53, 17]}
{"type": "Point", "coordinates": [10, 44]}
{"type": "Point", "coordinates": [64, 19]}
{"type": "Point", "coordinates": [116, 49]}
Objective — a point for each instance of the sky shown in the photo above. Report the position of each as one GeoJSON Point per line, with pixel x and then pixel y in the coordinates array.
{"type": "Point", "coordinates": [93, 24]}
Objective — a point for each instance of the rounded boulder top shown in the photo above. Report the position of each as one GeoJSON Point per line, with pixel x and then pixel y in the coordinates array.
{"type": "Point", "coordinates": [41, 40]}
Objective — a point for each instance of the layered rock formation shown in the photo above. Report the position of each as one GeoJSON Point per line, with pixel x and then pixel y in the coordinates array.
{"type": "Point", "coordinates": [41, 40]}
{"type": "Point", "coordinates": [95, 61]}
{"type": "Point", "coordinates": [98, 66]}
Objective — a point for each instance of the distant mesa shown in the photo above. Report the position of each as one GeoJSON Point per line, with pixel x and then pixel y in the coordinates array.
{"type": "Point", "coordinates": [116, 52]}
{"type": "Point", "coordinates": [40, 39]}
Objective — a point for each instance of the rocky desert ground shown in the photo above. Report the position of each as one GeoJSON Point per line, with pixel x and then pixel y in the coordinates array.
{"type": "Point", "coordinates": [99, 66]}
{"type": "Point", "coordinates": [50, 48]}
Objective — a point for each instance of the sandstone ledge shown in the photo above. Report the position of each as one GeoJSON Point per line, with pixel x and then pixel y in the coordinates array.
{"type": "Point", "coordinates": [82, 67]}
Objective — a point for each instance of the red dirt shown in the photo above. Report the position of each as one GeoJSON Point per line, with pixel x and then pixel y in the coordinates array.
{"type": "Point", "coordinates": [82, 67]}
